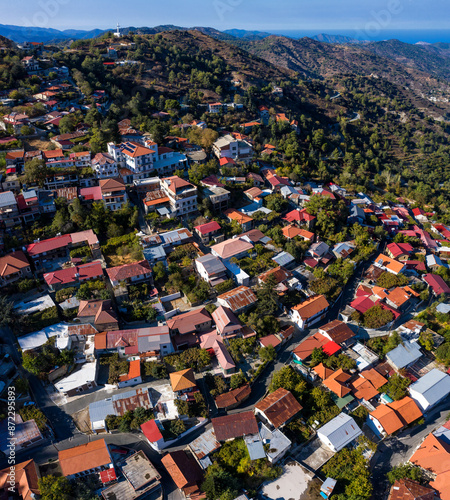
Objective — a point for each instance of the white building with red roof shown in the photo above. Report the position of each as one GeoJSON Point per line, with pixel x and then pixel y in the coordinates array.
{"type": "Point", "coordinates": [182, 195]}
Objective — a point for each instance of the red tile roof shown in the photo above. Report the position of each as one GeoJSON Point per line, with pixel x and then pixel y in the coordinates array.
{"type": "Point", "coordinates": [279, 407]}
{"type": "Point", "coordinates": [127, 271]}
{"type": "Point", "coordinates": [49, 245]}
{"type": "Point", "coordinates": [406, 489]}
{"type": "Point", "coordinates": [73, 274]}
{"type": "Point", "coordinates": [234, 426]}
{"type": "Point", "coordinates": [187, 322]}
{"type": "Point", "coordinates": [437, 284]}
{"type": "Point", "coordinates": [151, 431]}
{"type": "Point", "coordinates": [209, 227]}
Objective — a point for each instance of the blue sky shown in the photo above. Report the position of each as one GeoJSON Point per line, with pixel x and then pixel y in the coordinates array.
{"type": "Point", "coordinates": [270, 15]}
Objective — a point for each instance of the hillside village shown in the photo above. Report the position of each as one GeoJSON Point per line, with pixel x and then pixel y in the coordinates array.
{"type": "Point", "coordinates": [182, 315]}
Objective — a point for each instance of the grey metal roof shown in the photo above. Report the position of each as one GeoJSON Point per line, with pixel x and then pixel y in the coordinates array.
{"type": "Point", "coordinates": [154, 253]}
{"type": "Point", "coordinates": [212, 264]}
{"type": "Point", "coordinates": [277, 441]}
{"type": "Point", "coordinates": [99, 410]}
{"type": "Point", "coordinates": [443, 308]}
{"type": "Point", "coordinates": [255, 447]}
{"type": "Point", "coordinates": [433, 386]}
{"type": "Point", "coordinates": [205, 444]}
{"type": "Point", "coordinates": [152, 342]}
{"type": "Point", "coordinates": [7, 198]}
{"type": "Point", "coordinates": [404, 354]}
{"type": "Point", "coordinates": [283, 258]}
{"type": "Point", "coordinates": [341, 431]}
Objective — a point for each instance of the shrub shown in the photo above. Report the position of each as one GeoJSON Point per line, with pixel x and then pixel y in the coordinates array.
{"type": "Point", "coordinates": [389, 280]}
{"type": "Point", "coordinates": [225, 286]}
{"type": "Point", "coordinates": [81, 252]}
{"type": "Point", "coordinates": [64, 294]}
{"type": "Point", "coordinates": [376, 317]}
{"type": "Point", "coordinates": [396, 387]}
{"type": "Point", "coordinates": [26, 284]}
{"type": "Point", "coordinates": [155, 369]}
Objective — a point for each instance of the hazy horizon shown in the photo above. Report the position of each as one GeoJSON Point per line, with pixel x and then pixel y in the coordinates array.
{"type": "Point", "coordinates": [357, 18]}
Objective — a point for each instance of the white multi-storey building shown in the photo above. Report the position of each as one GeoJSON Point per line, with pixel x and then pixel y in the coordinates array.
{"type": "Point", "coordinates": [229, 147]}
{"type": "Point", "coordinates": [105, 166]}
{"type": "Point", "coordinates": [182, 195]}
{"type": "Point", "coordinates": [143, 161]}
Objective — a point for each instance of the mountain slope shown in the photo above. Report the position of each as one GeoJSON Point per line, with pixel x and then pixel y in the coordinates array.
{"type": "Point", "coordinates": [313, 59]}
{"type": "Point", "coordinates": [424, 57]}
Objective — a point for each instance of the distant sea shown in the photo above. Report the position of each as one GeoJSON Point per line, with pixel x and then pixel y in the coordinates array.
{"type": "Point", "coordinates": [408, 36]}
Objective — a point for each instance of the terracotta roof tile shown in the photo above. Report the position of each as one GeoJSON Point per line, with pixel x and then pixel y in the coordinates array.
{"type": "Point", "coordinates": [406, 489]}
{"type": "Point", "coordinates": [279, 407]}
{"type": "Point", "coordinates": [84, 457]}
{"type": "Point", "coordinates": [182, 380]}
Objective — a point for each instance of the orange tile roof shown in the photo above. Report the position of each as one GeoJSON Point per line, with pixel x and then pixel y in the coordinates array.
{"type": "Point", "coordinates": [442, 485]}
{"type": "Point", "coordinates": [363, 389]}
{"type": "Point", "coordinates": [306, 347]}
{"type": "Point", "coordinates": [388, 419]}
{"type": "Point", "coordinates": [174, 183]}
{"type": "Point", "coordinates": [84, 457]}
{"type": "Point", "coordinates": [291, 231]}
{"type": "Point", "coordinates": [134, 371]}
{"type": "Point", "coordinates": [100, 341]}
{"type": "Point", "coordinates": [379, 292]}
{"type": "Point", "coordinates": [322, 371]}
{"type": "Point", "coordinates": [390, 264]}
{"type": "Point", "coordinates": [335, 383]}
{"type": "Point", "coordinates": [434, 455]}
{"type": "Point", "coordinates": [182, 380]}
{"type": "Point", "coordinates": [12, 263]}
{"type": "Point", "coordinates": [312, 306]}
{"type": "Point", "coordinates": [398, 296]}
{"type": "Point", "coordinates": [25, 480]}
{"type": "Point", "coordinates": [406, 409]}
{"type": "Point", "coordinates": [376, 379]}
{"type": "Point", "coordinates": [184, 470]}
{"type": "Point", "coordinates": [234, 214]}
{"type": "Point", "coordinates": [133, 150]}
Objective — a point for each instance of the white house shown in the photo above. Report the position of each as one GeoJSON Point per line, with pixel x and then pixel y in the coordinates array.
{"type": "Point", "coordinates": [182, 195]}
{"type": "Point", "coordinates": [79, 381]}
{"type": "Point", "coordinates": [278, 443]}
{"type": "Point", "coordinates": [105, 166]}
{"type": "Point", "coordinates": [229, 147]}
{"type": "Point", "coordinates": [310, 311]}
{"type": "Point", "coordinates": [430, 389]}
{"type": "Point", "coordinates": [211, 269]}
{"type": "Point", "coordinates": [339, 432]}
